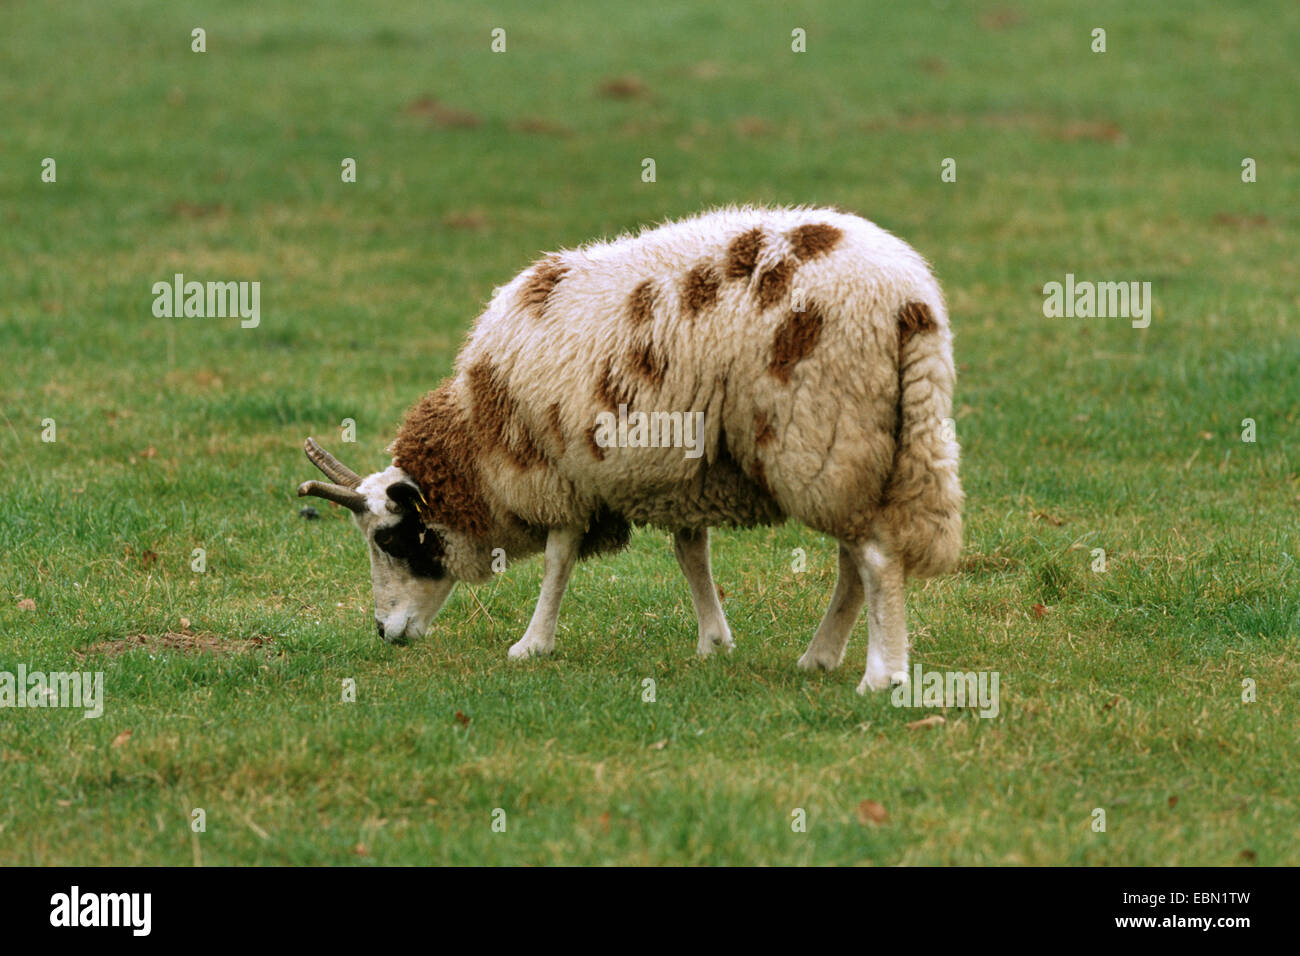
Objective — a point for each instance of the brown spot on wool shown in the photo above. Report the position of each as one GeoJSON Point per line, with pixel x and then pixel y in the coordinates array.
{"type": "Point", "coordinates": [811, 241]}
{"type": "Point", "coordinates": [611, 390]}
{"type": "Point", "coordinates": [742, 254]}
{"type": "Point", "coordinates": [700, 289]}
{"type": "Point", "coordinates": [597, 452]}
{"type": "Point", "coordinates": [649, 363]}
{"type": "Point", "coordinates": [794, 340]}
{"type": "Point", "coordinates": [774, 283]}
{"type": "Point", "coordinates": [641, 303]}
{"type": "Point", "coordinates": [537, 288]}
{"type": "Point", "coordinates": [914, 318]}
{"type": "Point", "coordinates": [764, 433]}
{"type": "Point", "coordinates": [434, 445]}
{"type": "Point", "coordinates": [495, 417]}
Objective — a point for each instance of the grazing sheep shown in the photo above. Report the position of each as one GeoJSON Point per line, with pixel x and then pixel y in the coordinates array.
{"type": "Point", "coordinates": [736, 368]}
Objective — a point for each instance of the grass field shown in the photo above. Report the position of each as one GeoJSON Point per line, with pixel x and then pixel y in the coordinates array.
{"type": "Point", "coordinates": [1122, 690]}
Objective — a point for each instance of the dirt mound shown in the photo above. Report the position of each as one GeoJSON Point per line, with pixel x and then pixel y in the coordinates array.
{"type": "Point", "coordinates": [203, 642]}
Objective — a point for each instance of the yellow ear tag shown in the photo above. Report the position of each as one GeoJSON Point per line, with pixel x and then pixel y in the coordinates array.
{"type": "Point", "coordinates": [422, 509]}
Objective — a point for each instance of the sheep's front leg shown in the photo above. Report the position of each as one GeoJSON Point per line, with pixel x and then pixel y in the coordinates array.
{"type": "Point", "coordinates": [561, 555]}
{"type": "Point", "coordinates": [882, 575]}
{"type": "Point", "coordinates": [827, 647]}
{"type": "Point", "coordinates": [692, 550]}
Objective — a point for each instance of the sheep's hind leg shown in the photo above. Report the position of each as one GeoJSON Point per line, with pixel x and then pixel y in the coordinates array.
{"type": "Point", "coordinates": [827, 647]}
{"type": "Point", "coordinates": [692, 550]}
{"type": "Point", "coordinates": [882, 574]}
{"type": "Point", "coordinates": [561, 555]}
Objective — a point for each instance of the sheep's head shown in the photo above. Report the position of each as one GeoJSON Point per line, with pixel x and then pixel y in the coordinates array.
{"type": "Point", "coordinates": [407, 554]}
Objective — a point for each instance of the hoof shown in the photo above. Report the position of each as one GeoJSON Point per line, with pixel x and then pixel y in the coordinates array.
{"type": "Point", "coordinates": [523, 649]}
{"type": "Point", "coordinates": [818, 661]}
{"type": "Point", "coordinates": [714, 642]}
{"type": "Point", "coordinates": [880, 678]}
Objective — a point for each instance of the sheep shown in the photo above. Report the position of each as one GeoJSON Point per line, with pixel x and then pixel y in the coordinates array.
{"type": "Point", "coordinates": [807, 349]}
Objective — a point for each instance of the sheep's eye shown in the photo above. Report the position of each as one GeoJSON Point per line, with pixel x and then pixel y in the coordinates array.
{"type": "Point", "coordinates": [408, 541]}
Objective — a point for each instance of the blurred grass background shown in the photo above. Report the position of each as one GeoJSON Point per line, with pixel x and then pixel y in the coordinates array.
{"type": "Point", "coordinates": [1122, 692]}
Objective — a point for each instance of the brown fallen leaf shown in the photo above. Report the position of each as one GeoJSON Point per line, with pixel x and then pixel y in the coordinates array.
{"type": "Point", "coordinates": [934, 720]}
{"type": "Point", "coordinates": [1110, 703]}
{"type": "Point", "coordinates": [462, 719]}
{"type": "Point", "coordinates": [1098, 132]}
{"type": "Point", "coordinates": [121, 738]}
{"type": "Point", "coordinates": [189, 210]}
{"type": "Point", "coordinates": [604, 822]}
{"type": "Point", "coordinates": [149, 558]}
{"type": "Point", "coordinates": [465, 220]}
{"type": "Point", "coordinates": [440, 114]}
{"type": "Point", "coordinates": [27, 604]}
{"type": "Point", "coordinates": [1001, 18]}
{"type": "Point", "coordinates": [543, 127]}
{"type": "Point", "coordinates": [1173, 801]}
{"type": "Point", "coordinates": [752, 126]}
{"type": "Point", "coordinates": [869, 811]}
{"type": "Point", "coordinates": [623, 87]}
{"type": "Point", "coordinates": [1248, 855]}
{"type": "Point", "coordinates": [1051, 519]}
{"type": "Point", "coordinates": [1040, 611]}
{"type": "Point", "coordinates": [1233, 219]}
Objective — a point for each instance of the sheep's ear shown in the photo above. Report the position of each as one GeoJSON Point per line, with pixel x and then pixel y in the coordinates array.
{"type": "Point", "coordinates": [406, 496]}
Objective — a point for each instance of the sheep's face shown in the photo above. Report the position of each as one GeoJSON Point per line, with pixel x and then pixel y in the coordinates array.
{"type": "Point", "coordinates": [407, 557]}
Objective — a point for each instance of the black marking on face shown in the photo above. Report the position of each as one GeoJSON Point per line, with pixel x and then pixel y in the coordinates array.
{"type": "Point", "coordinates": [412, 541]}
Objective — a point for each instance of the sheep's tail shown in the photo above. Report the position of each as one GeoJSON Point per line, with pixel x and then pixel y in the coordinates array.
{"type": "Point", "coordinates": [923, 497]}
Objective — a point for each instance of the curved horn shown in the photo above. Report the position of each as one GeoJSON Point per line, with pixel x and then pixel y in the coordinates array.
{"type": "Point", "coordinates": [349, 498]}
{"type": "Point", "coordinates": [334, 469]}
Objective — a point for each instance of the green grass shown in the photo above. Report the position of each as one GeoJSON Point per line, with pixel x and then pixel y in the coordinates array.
{"type": "Point", "coordinates": [1077, 434]}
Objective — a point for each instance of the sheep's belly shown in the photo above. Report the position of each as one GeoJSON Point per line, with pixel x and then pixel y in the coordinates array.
{"type": "Point", "coordinates": [720, 496]}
